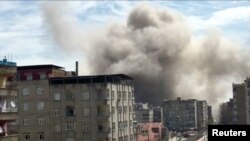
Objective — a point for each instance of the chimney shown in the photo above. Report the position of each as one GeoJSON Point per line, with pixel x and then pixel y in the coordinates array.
{"type": "Point", "coordinates": [76, 68]}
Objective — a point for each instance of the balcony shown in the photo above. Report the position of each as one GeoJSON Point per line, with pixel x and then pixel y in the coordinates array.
{"type": "Point", "coordinates": [7, 92]}
{"type": "Point", "coordinates": [8, 116]}
{"type": "Point", "coordinates": [13, 137]}
{"type": "Point", "coordinates": [7, 70]}
{"type": "Point", "coordinates": [103, 116]}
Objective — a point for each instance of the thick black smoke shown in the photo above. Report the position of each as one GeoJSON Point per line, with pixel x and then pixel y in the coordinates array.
{"type": "Point", "coordinates": [158, 49]}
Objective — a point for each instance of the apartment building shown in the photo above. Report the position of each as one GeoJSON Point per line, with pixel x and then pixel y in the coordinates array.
{"type": "Point", "coordinates": [35, 102]}
{"type": "Point", "coordinates": [240, 103]}
{"type": "Point", "coordinates": [226, 113]}
{"type": "Point", "coordinates": [146, 113]}
{"type": "Point", "coordinates": [184, 114]}
{"type": "Point", "coordinates": [210, 115]}
{"type": "Point", "coordinates": [8, 98]}
{"type": "Point", "coordinates": [57, 105]}
{"type": "Point", "coordinates": [202, 114]}
{"type": "Point", "coordinates": [151, 131]}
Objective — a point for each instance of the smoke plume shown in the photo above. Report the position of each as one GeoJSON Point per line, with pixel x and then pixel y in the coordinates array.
{"type": "Point", "coordinates": [158, 49]}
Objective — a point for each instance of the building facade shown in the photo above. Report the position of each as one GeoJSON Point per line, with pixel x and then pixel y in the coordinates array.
{"type": "Point", "coordinates": [152, 131]}
{"type": "Point", "coordinates": [96, 108]}
{"type": "Point", "coordinates": [57, 105]}
{"type": "Point", "coordinates": [179, 115]}
{"type": "Point", "coordinates": [240, 103]}
{"type": "Point", "coordinates": [145, 113]}
{"type": "Point", "coordinates": [8, 100]}
{"type": "Point", "coordinates": [226, 113]}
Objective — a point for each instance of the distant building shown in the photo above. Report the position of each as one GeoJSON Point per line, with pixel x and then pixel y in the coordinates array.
{"type": "Point", "coordinates": [185, 114]}
{"type": "Point", "coordinates": [61, 106]}
{"type": "Point", "coordinates": [145, 113]}
{"type": "Point", "coordinates": [226, 113]}
{"type": "Point", "coordinates": [202, 114]}
{"type": "Point", "coordinates": [155, 114]}
{"type": "Point", "coordinates": [8, 99]}
{"type": "Point", "coordinates": [239, 103]}
{"type": "Point", "coordinates": [210, 115]}
{"type": "Point", "coordinates": [152, 131]}
{"type": "Point", "coordinates": [142, 112]}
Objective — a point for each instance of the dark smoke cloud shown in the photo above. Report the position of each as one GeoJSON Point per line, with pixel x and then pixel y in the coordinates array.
{"type": "Point", "coordinates": [158, 49]}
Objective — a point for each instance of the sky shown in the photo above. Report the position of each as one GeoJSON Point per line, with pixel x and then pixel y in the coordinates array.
{"type": "Point", "coordinates": [26, 38]}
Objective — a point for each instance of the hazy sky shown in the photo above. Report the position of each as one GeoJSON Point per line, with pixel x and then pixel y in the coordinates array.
{"type": "Point", "coordinates": [25, 34]}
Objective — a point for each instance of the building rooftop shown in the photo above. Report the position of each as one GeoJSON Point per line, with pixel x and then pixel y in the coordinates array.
{"type": "Point", "coordinates": [112, 78]}
{"type": "Point", "coordinates": [45, 66]}
{"type": "Point", "coordinates": [4, 62]}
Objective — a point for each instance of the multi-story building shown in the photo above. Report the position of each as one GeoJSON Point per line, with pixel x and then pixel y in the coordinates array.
{"type": "Point", "coordinates": [210, 115]}
{"type": "Point", "coordinates": [35, 101]}
{"type": "Point", "coordinates": [96, 108]}
{"type": "Point", "coordinates": [247, 84]}
{"type": "Point", "coordinates": [155, 114]}
{"type": "Point", "coordinates": [142, 112]}
{"type": "Point", "coordinates": [8, 98]}
{"type": "Point", "coordinates": [184, 114]}
{"type": "Point", "coordinates": [226, 113]}
{"type": "Point", "coordinates": [240, 103]}
{"type": "Point", "coordinates": [202, 114]}
{"type": "Point", "coordinates": [56, 105]}
{"type": "Point", "coordinates": [180, 114]}
{"type": "Point", "coordinates": [145, 113]}
{"type": "Point", "coordinates": [151, 131]}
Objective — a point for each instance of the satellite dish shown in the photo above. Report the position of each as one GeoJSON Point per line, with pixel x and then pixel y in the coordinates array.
{"type": "Point", "coordinates": [13, 104]}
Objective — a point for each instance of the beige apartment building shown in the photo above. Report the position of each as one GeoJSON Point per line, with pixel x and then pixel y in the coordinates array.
{"type": "Point", "coordinates": [8, 97]}
{"type": "Point", "coordinates": [59, 106]}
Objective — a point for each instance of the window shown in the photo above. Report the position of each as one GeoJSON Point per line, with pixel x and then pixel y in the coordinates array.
{"type": "Point", "coordinates": [69, 95]}
{"type": "Point", "coordinates": [86, 128]}
{"type": "Point", "coordinates": [113, 110]}
{"type": "Point", "coordinates": [43, 76]}
{"type": "Point", "coordinates": [70, 126]}
{"type": "Point", "coordinates": [39, 91]}
{"type": "Point", "coordinates": [85, 112]}
{"type": "Point", "coordinates": [112, 95]}
{"type": "Point", "coordinates": [124, 95]}
{"type": "Point", "coordinates": [57, 113]}
{"type": "Point", "coordinates": [129, 95]}
{"type": "Point", "coordinates": [25, 91]}
{"type": "Point", "coordinates": [70, 111]}
{"type": "Point", "coordinates": [40, 105]}
{"type": "Point", "coordinates": [41, 121]}
{"type": "Point", "coordinates": [26, 136]}
{"type": "Point", "coordinates": [26, 106]}
{"type": "Point", "coordinates": [57, 96]}
{"type": "Point", "coordinates": [41, 136]}
{"type": "Point", "coordinates": [57, 128]}
{"type": "Point", "coordinates": [125, 109]}
{"type": "Point", "coordinates": [119, 109]}
{"type": "Point", "coordinates": [85, 95]}
{"type": "Point", "coordinates": [113, 126]}
{"type": "Point", "coordinates": [119, 94]}
{"type": "Point", "coordinates": [29, 76]}
{"type": "Point", "coordinates": [26, 122]}
{"type": "Point", "coordinates": [107, 93]}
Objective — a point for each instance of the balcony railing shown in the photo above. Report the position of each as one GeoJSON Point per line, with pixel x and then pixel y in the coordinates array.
{"type": "Point", "coordinates": [13, 137]}
{"type": "Point", "coordinates": [8, 116]}
{"type": "Point", "coordinates": [7, 92]}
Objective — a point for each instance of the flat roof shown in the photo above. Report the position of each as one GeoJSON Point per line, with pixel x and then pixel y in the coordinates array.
{"type": "Point", "coordinates": [7, 63]}
{"type": "Point", "coordinates": [45, 66]}
{"type": "Point", "coordinates": [112, 78]}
